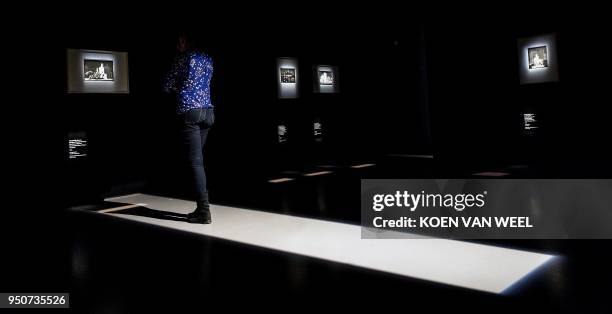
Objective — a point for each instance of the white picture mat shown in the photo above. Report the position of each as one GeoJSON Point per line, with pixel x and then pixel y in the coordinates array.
{"type": "Point", "coordinates": [538, 75]}
{"type": "Point", "coordinates": [75, 67]}
{"type": "Point", "coordinates": [288, 90]}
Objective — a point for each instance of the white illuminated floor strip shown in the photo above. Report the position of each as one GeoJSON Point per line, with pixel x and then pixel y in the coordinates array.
{"type": "Point", "coordinates": [318, 173]}
{"type": "Point", "coordinates": [116, 209]}
{"type": "Point", "coordinates": [463, 264]}
{"type": "Point", "coordinates": [280, 180]}
{"type": "Point", "coordinates": [362, 166]}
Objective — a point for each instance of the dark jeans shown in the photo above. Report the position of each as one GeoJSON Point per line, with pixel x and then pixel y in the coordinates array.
{"type": "Point", "coordinates": [194, 126]}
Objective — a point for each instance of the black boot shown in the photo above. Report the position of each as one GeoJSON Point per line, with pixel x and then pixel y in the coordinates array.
{"type": "Point", "coordinates": [199, 217]}
{"type": "Point", "coordinates": [202, 212]}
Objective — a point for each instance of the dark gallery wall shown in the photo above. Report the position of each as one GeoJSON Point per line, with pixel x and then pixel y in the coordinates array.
{"type": "Point", "coordinates": [476, 99]}
{"type": "Point", "coordinates": [448, 89]}
{"type": "Point", "coordinates": [133, 145]}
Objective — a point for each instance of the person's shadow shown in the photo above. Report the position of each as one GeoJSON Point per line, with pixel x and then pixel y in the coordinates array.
{"type": "Point", "coordinates": [150, 213]}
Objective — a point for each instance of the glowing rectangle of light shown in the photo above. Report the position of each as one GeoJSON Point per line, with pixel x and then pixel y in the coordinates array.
{"type": "Point", "coordinates": [362, 166]}
{"type": "Point", "coordinates": [115, 209]}
{"type": "Point", "coordinates": [280, 180]}
{"type": "Point", "coordinates": [463, 264]}
{"type": "Point", "coordinates": [319, 173]}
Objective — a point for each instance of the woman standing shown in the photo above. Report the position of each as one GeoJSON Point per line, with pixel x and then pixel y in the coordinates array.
{"type": "Point", "coordinates": [189, 81]}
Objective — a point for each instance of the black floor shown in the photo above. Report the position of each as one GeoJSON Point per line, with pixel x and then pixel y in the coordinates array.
{"type": "Point", "coordinates": [116, 266]}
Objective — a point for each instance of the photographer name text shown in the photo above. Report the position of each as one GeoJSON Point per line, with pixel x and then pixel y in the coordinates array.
{"type": "Point", "coordinates": [453, 222]}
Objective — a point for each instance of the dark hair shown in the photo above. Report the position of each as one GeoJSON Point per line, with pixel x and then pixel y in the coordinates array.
{"type": "Point", "coordinates": [193, 40]}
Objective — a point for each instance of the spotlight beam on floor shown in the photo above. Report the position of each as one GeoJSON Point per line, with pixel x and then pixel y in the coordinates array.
{"type": "Point", "coordinates": [362, 166]}
{"type": "Point", "coordinates": [280, 180]}
{"type": "Point", "coordinates": [463, 264]}
{"type": "Point", "coordinates": [318, 173]}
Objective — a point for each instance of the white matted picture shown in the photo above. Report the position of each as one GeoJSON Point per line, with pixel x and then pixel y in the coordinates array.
{"type": "Point", "coordinates": [287, 75]}
{"type": "Point", "coordinates": [326, 77]}
{"type": "Point", "coordinates": [98, 70]}
{"type": "Point", "coordinates": [538, 57]}
{"type": "Point", "coordinates": [287, 78]}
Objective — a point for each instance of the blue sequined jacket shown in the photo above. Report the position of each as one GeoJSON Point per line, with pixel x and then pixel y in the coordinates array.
{"type": "Point", "coordinates": [189, 80]}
